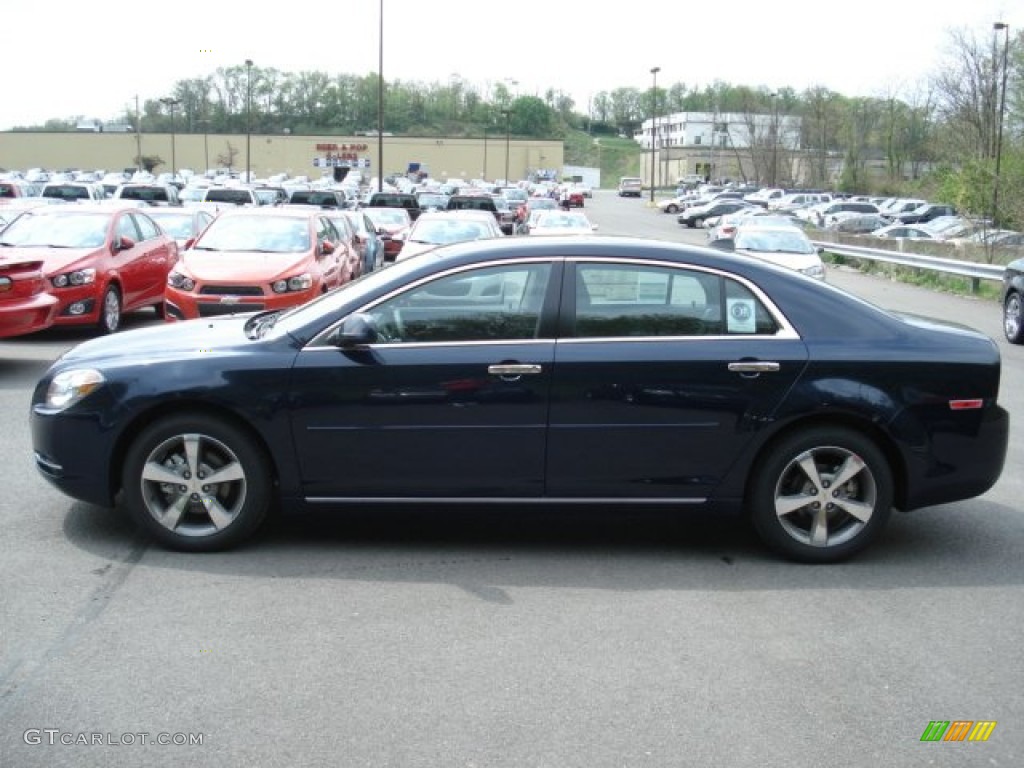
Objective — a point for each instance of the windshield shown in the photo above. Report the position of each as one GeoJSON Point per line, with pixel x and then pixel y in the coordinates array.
{"type": "Point", "coordinates": [267, 234]}
{"type": "Point", "coordinates": [389, 217]}
{"type": "Point", "coordinates": [177, 225]}
{"type": "Point", "coordinates": [322, 308]}
{"type": "Point", "coordinates": [76, 230]}
{"type": "Point", "coordinates": [443, 232]}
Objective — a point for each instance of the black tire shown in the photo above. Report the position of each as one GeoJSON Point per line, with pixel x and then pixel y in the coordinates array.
{"type": "Point", "coordinates": [167, 498]}
{"type": "Point", "coordinates": [110, 310]}
{"type": "Point", "coordinates": [803, 518]}
{"type": "Point", "coordinates": [671, 208]}
{"type": "Point", "coordinates": [1013, 318]}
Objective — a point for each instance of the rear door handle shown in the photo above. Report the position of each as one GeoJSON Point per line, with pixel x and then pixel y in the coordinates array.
{"type": "Point", "coordinates": [754, 366]}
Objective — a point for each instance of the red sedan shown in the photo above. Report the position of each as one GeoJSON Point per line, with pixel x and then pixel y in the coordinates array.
{"type": "Point", "coordinates": [389, 222]}
{"type": "Point", "coordinates": [98, 261]}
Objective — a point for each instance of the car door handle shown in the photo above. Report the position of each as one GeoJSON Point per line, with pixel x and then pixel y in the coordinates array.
{"type": "Point", "coordinates": [514, 369]}
{"type": "Point", "coordinates": [754, 366]}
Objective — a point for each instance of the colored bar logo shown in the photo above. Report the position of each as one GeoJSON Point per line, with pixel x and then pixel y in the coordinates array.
{"type": "Point", "coordinates": [958, 730]}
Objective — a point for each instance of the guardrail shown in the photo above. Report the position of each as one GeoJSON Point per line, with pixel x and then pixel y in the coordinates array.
{"type": "Point", "coordinates": [972, 269]}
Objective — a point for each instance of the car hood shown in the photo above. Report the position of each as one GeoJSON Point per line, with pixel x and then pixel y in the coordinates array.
{"type": "Point", "coordinates": [54, 259]}
{"type": "Point", "coordinates": [163, 342]}
{"type": "Point", "coordinates": [241, 265]}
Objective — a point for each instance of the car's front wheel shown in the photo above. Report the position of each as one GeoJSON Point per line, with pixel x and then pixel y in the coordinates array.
{"type": "Point", "coordinates": [821, 495]}
{"type": "Point", "coordinates": [671, 208]}
{"type": "Point", "coordinates": [110, 310]}
{"type": "Point", "coordinates": [1013, 318]}
{"type": "Point", "coordinates": [196, 483]}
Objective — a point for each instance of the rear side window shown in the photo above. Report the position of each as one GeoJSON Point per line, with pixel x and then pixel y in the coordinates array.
{"type": "Point", "coordinates": [637, 301]}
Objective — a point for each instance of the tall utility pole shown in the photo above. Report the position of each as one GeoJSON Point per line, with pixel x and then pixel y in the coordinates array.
{"type": "Point", "coordinates": [171, 103]}
{"type": "Point", "coordinates": [1005, 29]}
{"type": "Point", "coordinates": [380, 102]}
{"type": "Point", "coordinates": [138, 134]}
{"type": "Point", "coordinates": [248, 120]}
{"type": "Point", "coordinates": [654, 127]}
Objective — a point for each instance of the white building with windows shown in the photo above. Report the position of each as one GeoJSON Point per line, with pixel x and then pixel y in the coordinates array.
{"type": "Point", "coordinates": [761, 147]}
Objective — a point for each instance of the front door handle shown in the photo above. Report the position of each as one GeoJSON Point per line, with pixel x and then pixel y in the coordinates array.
{"type": "Point", "coordinates": [515, 369]}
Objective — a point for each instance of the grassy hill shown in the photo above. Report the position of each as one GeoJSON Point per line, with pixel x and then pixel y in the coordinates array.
{"type": "Point", "coordinates": [615, 156]}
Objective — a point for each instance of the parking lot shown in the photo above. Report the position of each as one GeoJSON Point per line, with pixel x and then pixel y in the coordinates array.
{"type": "Point", "coordinates": [508, 636]}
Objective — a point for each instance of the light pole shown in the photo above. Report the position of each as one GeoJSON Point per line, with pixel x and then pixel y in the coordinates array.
{"type": "Point", "coordinates": [487, 120]}
{"type": "Point", "coordinates": [775, 136]}
{"type": "Point", "coordinates": [138, 134]}
{"type": "Point", "coordinates": [171, 104]}
{"type": "Point", "coordinates": [654, 120]}
{"type": "Point", "coordinates": [1005, 28]}
{"type": "Point", "coordinates": [507, 113]}
{"type": "Point", "coordinates": [206, 144]}
{"type": "Point", "coordinates": [248, 121]}
{"type": "Point", "coordinates": [380, 100]}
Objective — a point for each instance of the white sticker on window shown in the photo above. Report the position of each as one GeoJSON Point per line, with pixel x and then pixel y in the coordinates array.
{"type": "Point", "coordinates": [741, 315]}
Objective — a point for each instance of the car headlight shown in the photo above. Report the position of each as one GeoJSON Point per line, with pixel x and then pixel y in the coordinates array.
{"type": "Point", "coordinates": [69, 387]}
{"type": "Point", "coordinates": [78, 277]}
{"type": "Point", "coordinates": [298, 283]}
{"type": "Point", "coordinates": [180, 281]}
{"type": "Point", "coordinates": [818, 270]}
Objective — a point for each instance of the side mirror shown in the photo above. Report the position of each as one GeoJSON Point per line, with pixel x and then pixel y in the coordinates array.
{"type": "Point", "coordinates": [356, 331]}
{"type": "Point", "coordinates": [123, 243]}
{"type": "Point", "coordinates": [326, 247]}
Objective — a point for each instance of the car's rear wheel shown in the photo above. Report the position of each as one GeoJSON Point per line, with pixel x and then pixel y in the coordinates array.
{"type": "Point", "coordinates": [821, 495]}
{"type": "Point", "coordinates": [110, 310]}
{"type": "Point", "coordinates": [1013, 318]}
{"type": "Point", "coordinates": [197, 483]}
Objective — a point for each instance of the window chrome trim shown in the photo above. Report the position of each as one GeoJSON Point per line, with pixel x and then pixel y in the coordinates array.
{"type": "Point", "coordinates": [786, 330]}
{"type": "Point", "coordinates": [531, 500]}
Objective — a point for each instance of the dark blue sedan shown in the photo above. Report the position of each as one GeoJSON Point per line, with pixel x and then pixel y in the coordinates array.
{"type": "Point", "coordinates": [569, 370]}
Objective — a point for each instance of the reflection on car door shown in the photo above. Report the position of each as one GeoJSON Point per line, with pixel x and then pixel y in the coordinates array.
{"type": "Point", "coordinates": [662, 375]}
{"type": "Point", "coordinates": [455, 393]}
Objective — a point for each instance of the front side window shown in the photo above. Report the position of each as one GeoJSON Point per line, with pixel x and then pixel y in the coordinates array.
{"type": "Point", "coordinates": [146, 227]}
{"type": "Point", "coordinates": [488, 304]}
{"type": "Point", "coordinates": [126, 228]}
{"type": "Point", "coordinates": [648, 301]}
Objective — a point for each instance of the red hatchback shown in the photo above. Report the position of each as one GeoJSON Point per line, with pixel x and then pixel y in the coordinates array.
{"type": "Point", "coordinates": [252, 259]}
{"type": "Point", "coordinates": [25, 306]}
{"type": "Point", "coordinates": [98, 261]}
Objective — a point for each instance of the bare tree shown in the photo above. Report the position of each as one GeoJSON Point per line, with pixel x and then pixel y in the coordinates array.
{"type": "Point", "coordinates": [967, 94]}
{"type": "Point", "coordinates": [227, 157]}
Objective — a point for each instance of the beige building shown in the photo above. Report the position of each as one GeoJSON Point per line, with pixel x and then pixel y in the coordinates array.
{"type": "Point", "coordinates": [282, 153]}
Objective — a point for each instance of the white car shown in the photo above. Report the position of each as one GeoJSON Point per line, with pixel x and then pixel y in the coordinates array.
{"type": "Point", "coordinates": [562, 223]}
{"type": "Point", "coordinates": [435, 228]}
{"type": "Point", "coordinates": [786, 246]}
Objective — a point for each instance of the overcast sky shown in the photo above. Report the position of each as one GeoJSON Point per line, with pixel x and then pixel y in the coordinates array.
{"type": "Point", "coordinates": [68, 58]}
